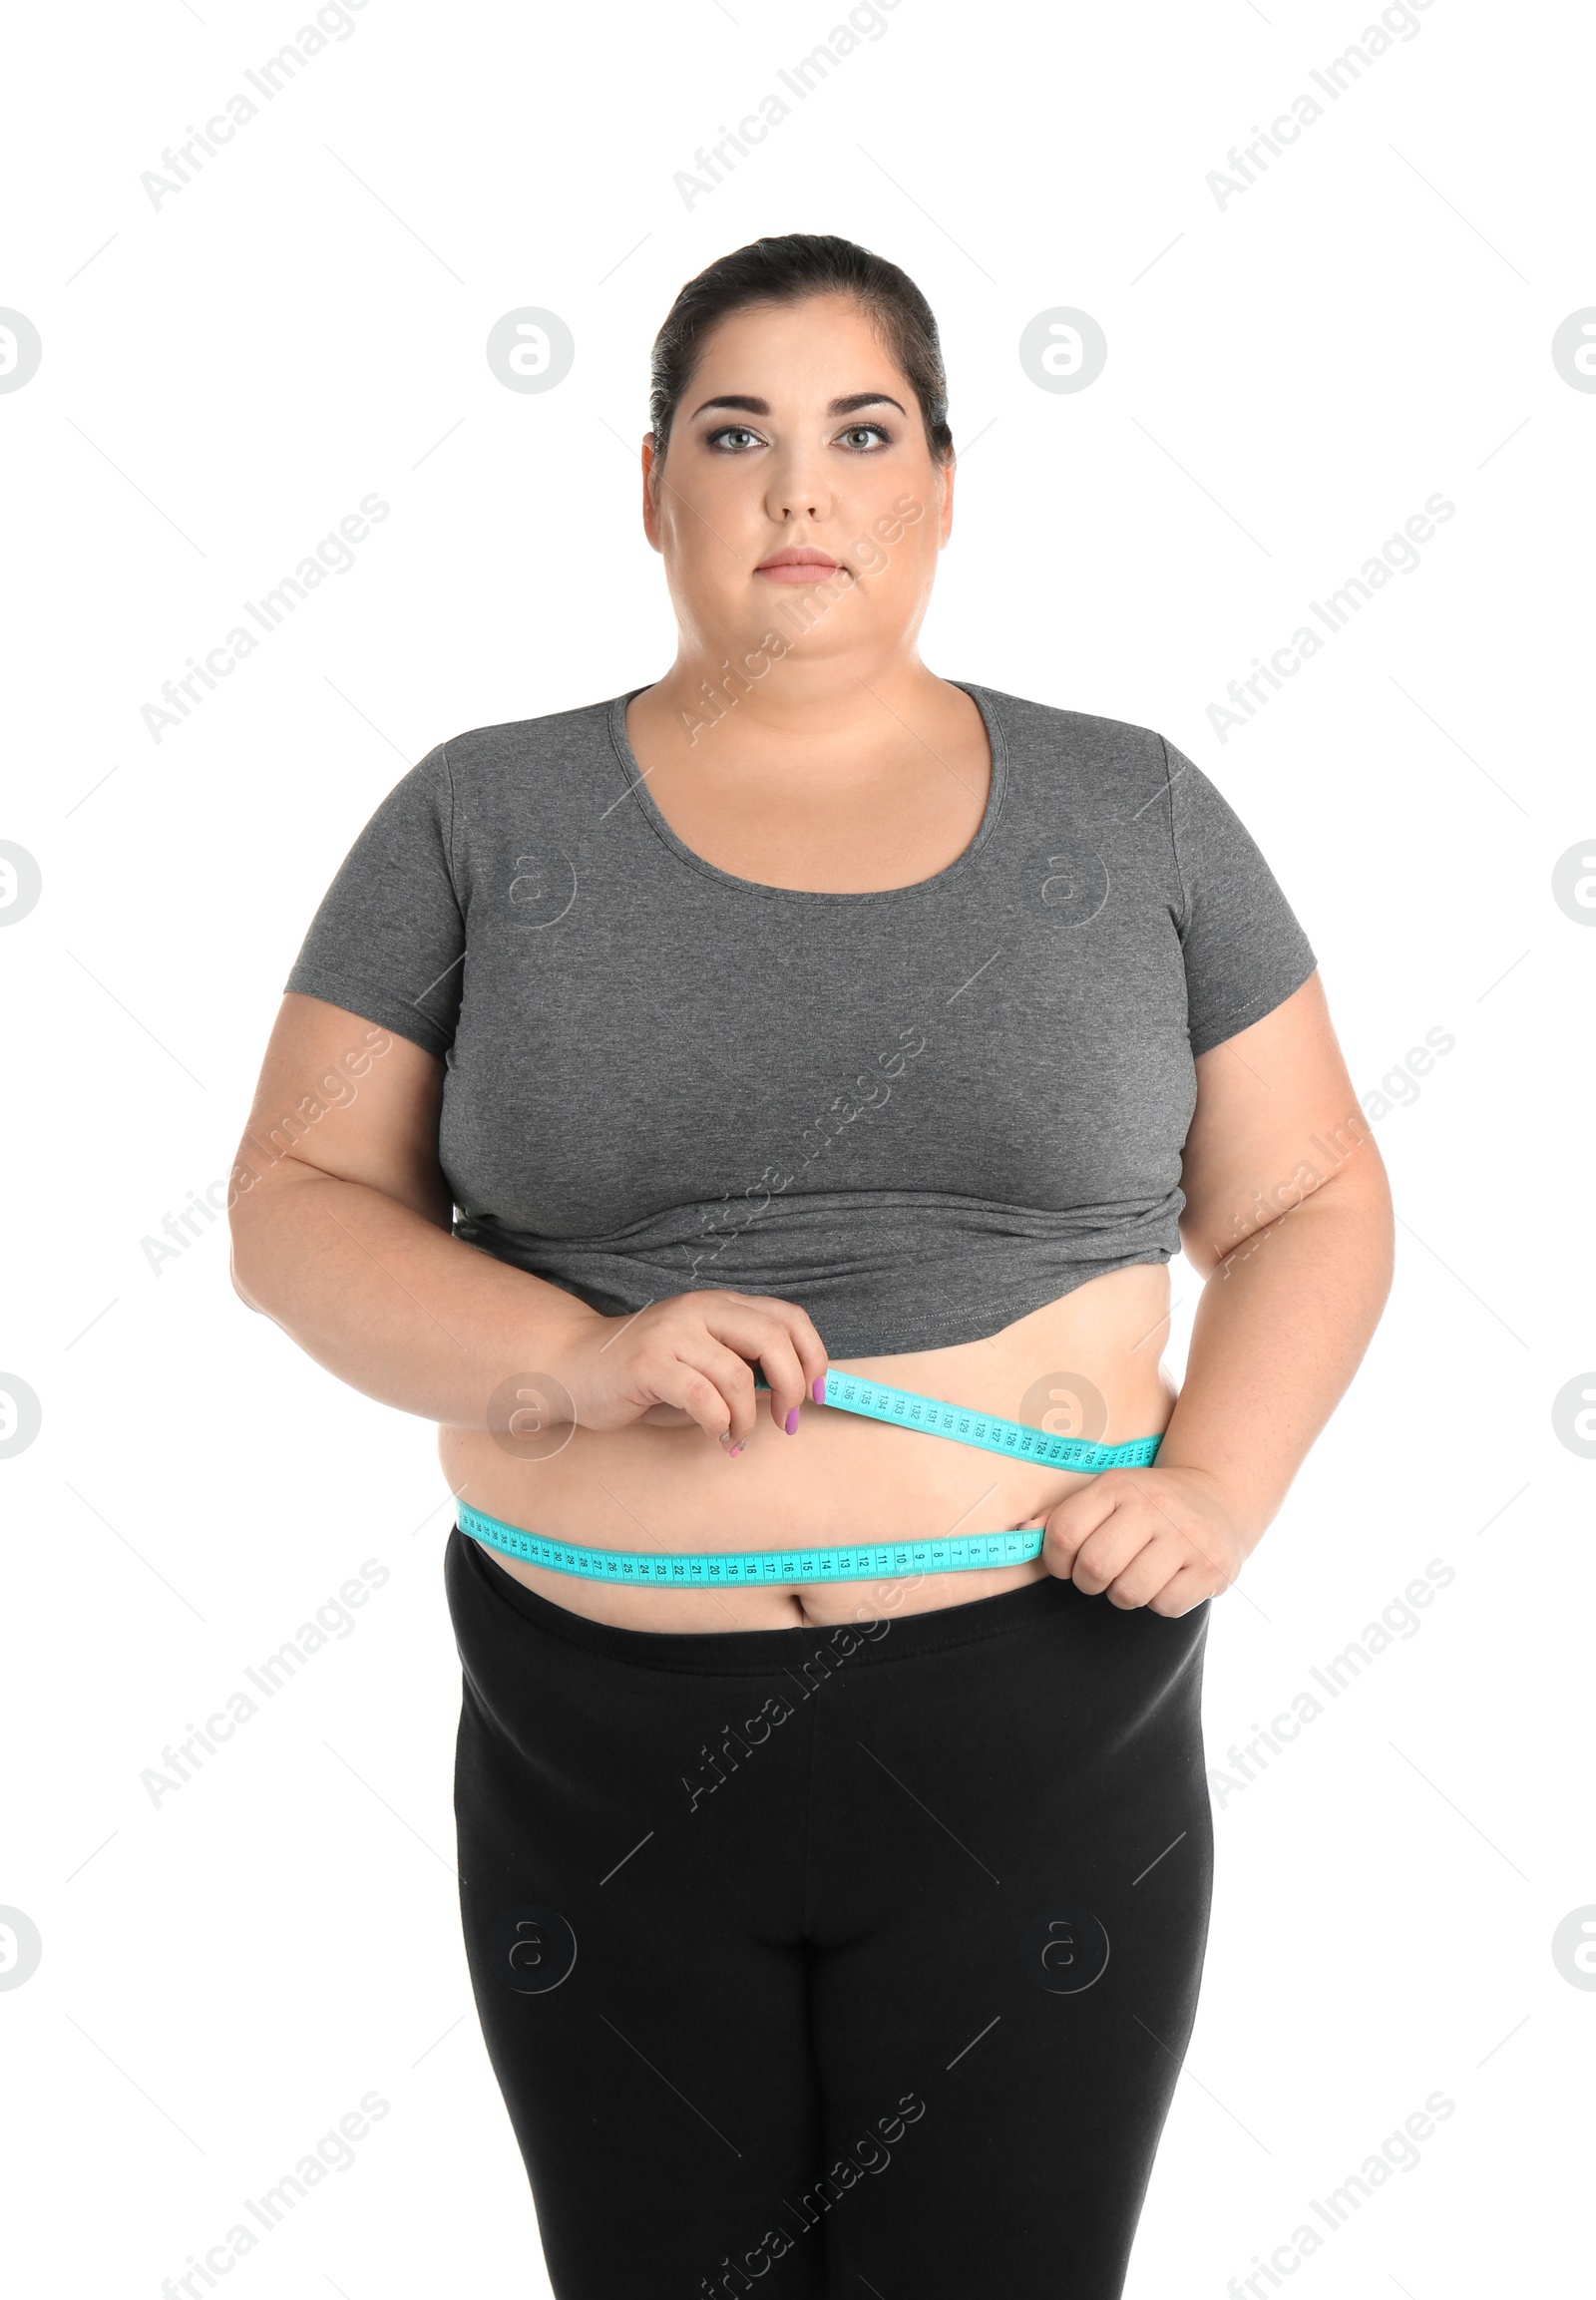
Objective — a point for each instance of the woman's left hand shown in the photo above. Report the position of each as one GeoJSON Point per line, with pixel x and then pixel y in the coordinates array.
{"type": "Point", "coordinates": [1162, 1538]}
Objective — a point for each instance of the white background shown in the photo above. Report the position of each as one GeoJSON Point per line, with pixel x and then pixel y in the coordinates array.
{"type": "Point", "coordinates": [1289, 377]}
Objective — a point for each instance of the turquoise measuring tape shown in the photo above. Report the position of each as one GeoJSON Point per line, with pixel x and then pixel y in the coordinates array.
{"type": "Point", "coordinates": [744, 1569]}
{"type": "Point", "coordinates": [991, 1431]}
{"type": "Point", "coordinates": [859, 1561]}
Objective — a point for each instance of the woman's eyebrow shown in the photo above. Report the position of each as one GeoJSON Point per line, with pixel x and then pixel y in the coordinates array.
{"type": "Point", "coordinates": [859, 399]}
{"type": "Point", "coordinates": [743, 405]}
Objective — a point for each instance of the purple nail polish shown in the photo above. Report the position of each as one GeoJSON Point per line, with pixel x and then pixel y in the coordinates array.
{"type": "Point", "coordinates": [791, 1424]}
{"type": "Point", "coordinates": [817, 1389]}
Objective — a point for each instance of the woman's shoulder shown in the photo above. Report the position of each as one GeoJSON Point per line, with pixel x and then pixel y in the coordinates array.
{"type": "Point", "coordinates": [1057, 722]}
{"type": "Point", "coordinates": [1083, 748]}
{"type": "Point", "coordinates": [555, 743]}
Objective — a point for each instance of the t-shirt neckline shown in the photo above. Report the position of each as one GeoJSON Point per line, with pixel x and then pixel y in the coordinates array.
{"type": "Point", "coordinates": [638, 782]}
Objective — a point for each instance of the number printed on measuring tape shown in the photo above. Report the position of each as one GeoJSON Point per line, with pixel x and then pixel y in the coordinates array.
{"type": "Point", "coordinates": [862, 1561]}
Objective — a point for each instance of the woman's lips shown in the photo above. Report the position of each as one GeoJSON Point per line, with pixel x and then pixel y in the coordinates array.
{"type": "Point", "coordinates": [802, 570]}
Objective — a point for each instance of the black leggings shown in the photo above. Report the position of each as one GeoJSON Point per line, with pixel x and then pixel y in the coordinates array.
{"type": "Point", "coordinates": [826, 1962]}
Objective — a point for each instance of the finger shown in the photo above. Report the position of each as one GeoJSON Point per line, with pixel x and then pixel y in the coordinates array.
{"type": "Point", "coordinates": [1192, 1534]}
{"type": "Point", "coordinates": [1150, 1571]}
{"type": "Point", "coordinates": [785, 1373]}
{"type": "Point", "coordinates": [810, 1350]}
{"type": "Point", "coordinates": [708, 1384]}
{"type": "Point", "coordinates": [677, 1383]}
{"type": "Point", "coordinates": [730, 1322]}
{"type": "Point", "coordinates": [767, 1341]}
{"type": "Point", "coordinates": [1070, 1523]}
{"type": "Point", "coordinates": [1104, 1556]}
{"type": "Point", "coordinates": [1184, 1590]}
{"type": "Point", "coordinates": [732, 1379]}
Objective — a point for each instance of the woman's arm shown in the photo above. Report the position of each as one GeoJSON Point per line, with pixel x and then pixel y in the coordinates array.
{"type": "Point", "coordinates": [1288, 1222]}
{"type": "Point", "coordinates": [341, 1217]}
{"type": "Point", "coordinates": [343, 1238]}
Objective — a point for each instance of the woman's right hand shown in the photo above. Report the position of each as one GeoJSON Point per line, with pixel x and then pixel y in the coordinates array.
{"type": "Point", "coordinates": [690, 1359]}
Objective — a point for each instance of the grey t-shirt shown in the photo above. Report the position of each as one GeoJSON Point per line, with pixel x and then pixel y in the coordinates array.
{"type": "Point", "coordinates": [920, 1114]}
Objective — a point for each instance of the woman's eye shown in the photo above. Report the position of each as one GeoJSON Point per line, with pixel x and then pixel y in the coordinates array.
{"type": "Point", "coordinates": [860, 435]}
{"type": "Point", "coordinates": [737, 434]}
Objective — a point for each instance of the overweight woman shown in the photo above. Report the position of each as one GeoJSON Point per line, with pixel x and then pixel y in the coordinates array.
{"type": "Point", "coordinates": [754, 1115]}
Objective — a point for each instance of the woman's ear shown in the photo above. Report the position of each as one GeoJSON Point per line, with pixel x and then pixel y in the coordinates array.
{"type": "Point", "coordinates": [945, 482]}
{"type": "Point", "coordinates": [650, 507]}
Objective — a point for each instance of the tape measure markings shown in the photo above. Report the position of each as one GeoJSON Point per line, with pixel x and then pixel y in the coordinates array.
{"type": "Point", "coordinates": [858, 1561]}
{"type": "Point", "coordinates": [992, 1433]}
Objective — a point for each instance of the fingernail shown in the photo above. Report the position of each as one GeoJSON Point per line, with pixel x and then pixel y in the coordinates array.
{"type": "Point", "coordinates": [725, 1437]}
{"type": "Point", "coordinates": [791, 1424]}
{"type": "Point", "coordinates": [817, 1389]}
{"type": "Point", "coordinates": [737, 1448]}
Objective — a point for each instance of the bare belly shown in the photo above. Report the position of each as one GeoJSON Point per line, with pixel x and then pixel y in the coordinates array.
{"type": "Point", "coordinates": [1088, 1365]}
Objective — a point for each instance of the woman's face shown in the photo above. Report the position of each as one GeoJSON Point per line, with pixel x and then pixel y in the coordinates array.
{"type": "Point", "coordinates": [799, 434]}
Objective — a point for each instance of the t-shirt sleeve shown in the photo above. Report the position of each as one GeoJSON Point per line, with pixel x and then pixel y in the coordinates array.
{"type": "Point", "coordinates": [389, 938]}
{"type": "Point", "coordinates": [1243, 950]}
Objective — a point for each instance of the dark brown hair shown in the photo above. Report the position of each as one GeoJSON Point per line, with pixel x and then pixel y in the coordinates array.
{"type": "Point", "coordinates": [784, 270]}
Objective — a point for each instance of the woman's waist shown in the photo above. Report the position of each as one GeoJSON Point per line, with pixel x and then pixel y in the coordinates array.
{"type": "Point", "coordinates": [1084, 1369]}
